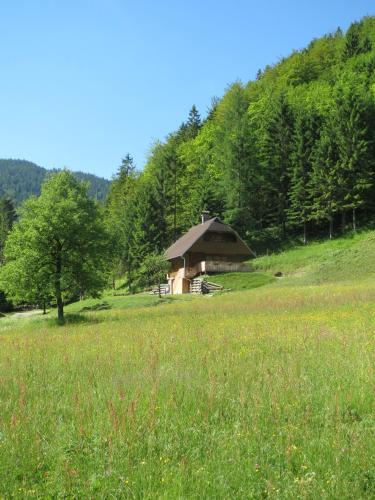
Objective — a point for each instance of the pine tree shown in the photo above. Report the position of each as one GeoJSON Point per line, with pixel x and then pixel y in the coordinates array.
{"type": "Point", "coordinates": [166, 168]}
{"type": "Point", "coordinates": [324, 180]}
{"type": "Point", "coordinates": [355, 42]}
{"type": "Point", "coordinates": [234, 155]}
{"type": "Point", "coordinates": [193, 123]}
{"type": "Point", "coordinates": [276, 147]}
{"type": "Point", "coordinates": [352, 42]}
{"type": "Point", "coordinates": [306, 135]}
{"type": "Point", "coordinates": [355, 171]}
{"type": "Point", "coordinates": [149, 224]}
{"type": "Point", "coordinates": [120, 217]}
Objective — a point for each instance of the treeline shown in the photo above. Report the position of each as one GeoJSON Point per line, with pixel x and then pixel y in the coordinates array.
{"type": "Point", "coordinates": [20, 179]}
{"type": "Point", "coordinates": [289, 154]}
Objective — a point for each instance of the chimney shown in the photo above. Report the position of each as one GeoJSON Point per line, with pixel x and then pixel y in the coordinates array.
{"type": "Point", "coordinates": [205, 216]}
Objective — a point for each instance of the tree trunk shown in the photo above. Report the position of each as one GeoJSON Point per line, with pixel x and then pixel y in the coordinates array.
{"type": "Point", "coordinates": [58, 296]}
{"type": "Point", "coordinates": [343, 221]}
{"type": "Point", "coordinates": [159, 289]}
{"type": "Point", "coordinates": [44, 306]}
{"type": "Point", "coordinates": [304, 232]}
{"type": "Point", "coordinates": [330, 227]}
{"type": "Point", "coordinates": [130, 277]}
{"type": "Point", "coordinates": [354, 220]}
{"type": "Point", "coordinates": [60, 304]}
{"type": "Point", "coordinates": [175, 206]}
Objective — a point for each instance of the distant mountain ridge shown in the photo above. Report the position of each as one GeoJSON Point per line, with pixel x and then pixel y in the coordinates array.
{"type": "Point", "coordinates": [20, 179]}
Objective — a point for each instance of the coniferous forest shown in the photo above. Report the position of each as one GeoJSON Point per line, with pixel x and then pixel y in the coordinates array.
{"type": "Point", "coordinates": [290, 154]}
{"type": "Point", "coordinates": [20, 179]}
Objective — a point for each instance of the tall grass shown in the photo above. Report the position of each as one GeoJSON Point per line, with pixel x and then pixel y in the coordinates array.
{"type": "Point", "coordinates": [264, 393]}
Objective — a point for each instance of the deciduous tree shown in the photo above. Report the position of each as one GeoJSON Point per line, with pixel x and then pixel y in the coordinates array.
{"type": "Point", "coordinates": [58, 246]}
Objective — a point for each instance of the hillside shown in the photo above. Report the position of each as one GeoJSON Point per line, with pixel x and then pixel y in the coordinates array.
{"type": "Point", "coordinates": [20, 178]}
{"type": "Point", "coordinates": [347, 259]}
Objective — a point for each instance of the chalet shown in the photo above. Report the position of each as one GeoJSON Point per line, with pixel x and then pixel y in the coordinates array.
{"type": "Point", "coordinates": [209, 247]}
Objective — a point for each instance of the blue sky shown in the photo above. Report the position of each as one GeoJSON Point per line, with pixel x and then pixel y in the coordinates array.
{"type": "Point", "coordinates": [83, 82]}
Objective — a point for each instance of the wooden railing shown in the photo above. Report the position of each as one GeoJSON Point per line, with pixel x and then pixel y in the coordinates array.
{"type": "Point", "coordinates": [164, 289]}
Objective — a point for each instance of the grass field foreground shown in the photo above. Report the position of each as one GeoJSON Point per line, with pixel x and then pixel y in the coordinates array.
{"type": "Point", "coordinates": [261, 393]}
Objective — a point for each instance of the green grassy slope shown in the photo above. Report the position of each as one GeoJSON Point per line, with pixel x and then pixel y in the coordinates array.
{"type": "Point", "coordinates": [241, 281]}
{"type": "Point", "coordinates": [343, 259]}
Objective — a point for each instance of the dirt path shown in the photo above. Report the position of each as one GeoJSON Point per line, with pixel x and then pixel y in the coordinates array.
{"type": "Point", "coordinates": [26, 314]}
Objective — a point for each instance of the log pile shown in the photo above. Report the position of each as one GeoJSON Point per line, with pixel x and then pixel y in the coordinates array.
{"type": "Point", "coordinates": [202, 285]}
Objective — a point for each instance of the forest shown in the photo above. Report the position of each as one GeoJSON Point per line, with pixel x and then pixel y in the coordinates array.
{"type": "Point", "coordinates": [289, 156]}
{"type": "Point", "coordinates": [20, 179]}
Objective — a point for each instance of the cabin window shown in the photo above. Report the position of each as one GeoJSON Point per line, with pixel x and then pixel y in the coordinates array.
{"type": "Point", "coordinates": [215, 237]}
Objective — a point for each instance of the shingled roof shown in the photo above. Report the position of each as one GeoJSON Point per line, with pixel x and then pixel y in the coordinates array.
{"type": "Point", "coordinates": [189, 239]}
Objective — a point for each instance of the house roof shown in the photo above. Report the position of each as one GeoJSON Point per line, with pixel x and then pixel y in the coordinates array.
{"type": "Point", "coordinates": [189, 239]}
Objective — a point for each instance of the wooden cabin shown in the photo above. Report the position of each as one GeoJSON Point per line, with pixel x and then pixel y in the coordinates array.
{"type": "Point", "coordinates": [209, 247]}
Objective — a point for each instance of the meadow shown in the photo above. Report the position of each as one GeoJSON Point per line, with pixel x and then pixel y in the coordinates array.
{"type": "Point", "coordinates": [265, 392]}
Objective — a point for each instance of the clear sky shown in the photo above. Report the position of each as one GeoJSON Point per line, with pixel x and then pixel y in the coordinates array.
{"type": "Point", "coordinates": [83, 82]}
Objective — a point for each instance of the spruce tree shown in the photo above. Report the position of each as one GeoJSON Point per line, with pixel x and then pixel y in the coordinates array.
{"type": "Point", "coordinates": [120, 217]}
{"type": "Point", "coordinates": [276, 148]}
{"type": "Point", "coordinates": [149, 224]}
{"type": "Point", "coordinates": [306, 135]}
{"type": "Point", "coordinates": [193, 123]}
{"type": "Point", "coordinates": [234, 154]}
{"type": "Point", "coordinates": [324, 180]}
{"type": "Point", "coordinates": [354, 167]}
{"type": "Point", "coordinates": [355, 42]}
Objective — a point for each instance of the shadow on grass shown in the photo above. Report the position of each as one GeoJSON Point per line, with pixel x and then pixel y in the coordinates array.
{"type": "Point", "coordinates": [74, 319]}
{"type": "Point", "coordinates": [163, 300]}
{"type": "Point", "coordinates": [101, 306]}
{"type": "Point", "coordinates": [81, 318]}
